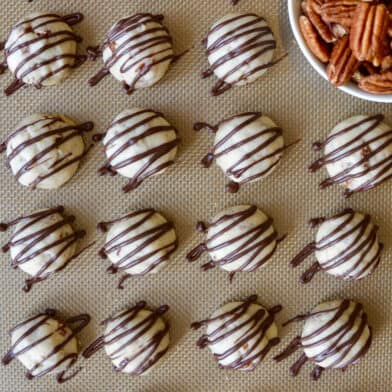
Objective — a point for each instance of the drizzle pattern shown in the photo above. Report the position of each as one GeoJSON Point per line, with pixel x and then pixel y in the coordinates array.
{"type": "Point", "coordinates": [240, 334]}
{"type": "Point", "coordinates": [137, 51]}
{"type": "Point", "coordinates": [357, 154]}
{"type": "Point", "coordinates": [139, 143]}
{"type": "Point", "coordinates": [138, 243]}
{"type": "Point", "coordinates": [240, 48]}
{"type": "Point", "coordinates": [346, 246]}
{"type": "Point", "coordinates": [42, 244]}
{"type": "Point", "coordinates": [335, 335]}
{"type": "Point", "coordinates": [41, 50]}
{"type": "Point", "coordinates": [45, 345]}
{"type": "Point", "coordinates": [135, 340]}
{"type": "Point", "coordinates": [241, 238]}
{"type": "Point", "coordinates": [247, 147]}
{"type": "Point", "coordinates": [45, 150]}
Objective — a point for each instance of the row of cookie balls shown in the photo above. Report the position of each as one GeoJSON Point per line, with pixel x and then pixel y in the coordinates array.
{"type": "Point", "coordinates": [239, 239]}
{"type": "Point", "coordinates": [45, 150]}
{"type": "Point", "coordinates": [240, 334]}
{"type": "Point", "coordinates": [41, 50]}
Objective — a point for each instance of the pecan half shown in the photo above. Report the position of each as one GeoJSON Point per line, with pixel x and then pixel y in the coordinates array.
{"type": "Point", "coordinates": [369, 31]}
{"type": "Point", "coordinates": [322, 28]}
{"type": "Point", "coordinates": [313, 40]}
{"type": "Point", "coordinates": [342, 63]}
{"type": "Point", "coordinates": [377, 83]}
{"type": "Point", "coordinates": [339, 11]}
{"type": "Point", "coordinates": [304, 4]}
{"type": "Point", "coordinates": [317, 4]}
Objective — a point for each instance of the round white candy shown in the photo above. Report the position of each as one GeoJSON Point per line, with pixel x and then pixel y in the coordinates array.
{"type": "Point", "coordinates": [240, 334]}
{"type": "Point", "coordinates": [240, 48]}
{"type": "Point", "coordinates": [248, 147]}
{"type": "Point", "coordinates": [136, 340]}
{"type": "Point", "coordinates": [138, 50]}
{"type": "Point", "coordinates": [241, 238]}
{"type": "Point", "coordinates": [358, 153]}
{"type": "Point", "coordinates": [336, 334]}
{"type": "Point", "coordinates": [140, 242]}
{"type": "Point", "coordinates": [45, 150]}
{"type": "Point", "coordinates": [41, 49]}
{"type": "Point", "coordinates": [43, 243]}
{"type": "Point", "coordinates": [140, 143]}
{"type": "Point", "coordinates": [41, 345]}
{"type": "Point", "coordinates": [347, 246]}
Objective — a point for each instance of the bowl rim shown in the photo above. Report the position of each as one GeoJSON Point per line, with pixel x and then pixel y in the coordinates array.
{"type": "Point", "coordinates": [351, 88]}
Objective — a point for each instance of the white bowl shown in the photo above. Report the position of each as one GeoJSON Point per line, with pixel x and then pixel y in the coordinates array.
{"type": "Point", "coordinates": [350, 88]}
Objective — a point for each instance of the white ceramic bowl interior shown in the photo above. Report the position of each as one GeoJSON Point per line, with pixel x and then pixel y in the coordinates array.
{"type": "Point", "coordinates": [351, 88]}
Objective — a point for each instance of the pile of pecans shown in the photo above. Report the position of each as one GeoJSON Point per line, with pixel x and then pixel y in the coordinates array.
{"type": "Point", "coordinates": [354, 38]}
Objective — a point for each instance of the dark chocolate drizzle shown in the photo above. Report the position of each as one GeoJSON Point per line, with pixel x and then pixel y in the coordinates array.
{"type": "Point", "coordinates": [252, 247]}
{"type": "Point", "coordinates": [80, 323]}
{"type": "Point", "coordinates": [126, 327]}
{"type": "Point", "coordinates": [148, 237]}
{"type": "Point", "coordinates": [134, 52]}
{"type": "Point", "coordinates": [132, 129]}
{"type": "Point", "coordinates": [39, 56]}
{"type": "Point", "coordinates": [257, 143]}
{"type": "Point", "coordinates": [256, 45]}
{"type": "Point", "coordinates": [256, 325]}
{"type": "Point", "coordinates": [31, 240]}
{"type": "Point", "coordinates": [341, 341]}
{"type": "Point", "coordinates": [361, 246]}
{"type": "Point", "coordinates": [382, 170]}
{"type": "Point", "coordinates": [50, 125]}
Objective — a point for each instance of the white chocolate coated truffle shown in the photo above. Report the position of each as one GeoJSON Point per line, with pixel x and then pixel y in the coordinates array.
{"type": "Point", "coordinates": [41, 49]}
{"type": "Point", "coordinates": [240, 238]}
{"type": "Point", "coordinates": [138, 51]}
{"type": "Point", "coordinates": [240, 48]}
{"type": "Point", "coordinates": [45, 345]}
{"type": "Point", "coordinates": [357, 154]}
{"type": "Point", "coordinates": [135, 340]}
{"type": "Point", "coordinates": [247, 147]}
{"type": "Point", "coordinates": [346, 247]}
{"type": "Point", "coordinates": [45, 150]}
{"type": "Point", "coordinates": [139, 143]}
{"type": "Point", "coordinates": [335, 335]}
{"type": "Point", "coordinates": [42, 243]}
{"type": "Point", "coordinates": [139, 243]}
{"type": "Point", "coordinates": [240, 334]}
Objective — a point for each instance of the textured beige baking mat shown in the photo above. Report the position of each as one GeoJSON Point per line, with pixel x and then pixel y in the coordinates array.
{"type": "Point", "coordinates": [303, 104]}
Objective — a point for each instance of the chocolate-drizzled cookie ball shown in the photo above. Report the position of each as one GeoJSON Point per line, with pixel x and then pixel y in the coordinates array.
{"type": "Point", "coordinates": [137, 51]}
{"type": "Point", "coordinates": [139, 144]}
{"type": "Point", "coordinates": [135, 340]}
{"type": "Point", "coordinates": [240, 48]}
{"type": "Point", "coordinates": [241, 238]}
{"type": "Point", "coordinates": [45, 150]}
{"type": "Point", "coordinates": [41, 50]}
{"type": "Point", "coordinates": [247, 147]}
{"type": "Point", "coordinates": [346, 247]}
{"type": "Point", "coordinates": [335, 335]}
{"type": "Point", "coordinates": [42, 244]}
{"type": "Point", "coordinates": [357, 154]}
{"type": "Point", "coordinates": [240, 334]}
{"type": "Point", "coordinates": [138, 243]}
{"type": "Point", "coordinates": [46, 345]}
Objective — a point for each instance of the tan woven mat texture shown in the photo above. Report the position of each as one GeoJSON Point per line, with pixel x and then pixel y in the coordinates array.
{"type": "Point", "coordinates": [291, 93]}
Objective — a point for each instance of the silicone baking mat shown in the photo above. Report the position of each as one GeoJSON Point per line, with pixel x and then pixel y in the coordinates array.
{"type": "Point", "coordinates": [303, 104]}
